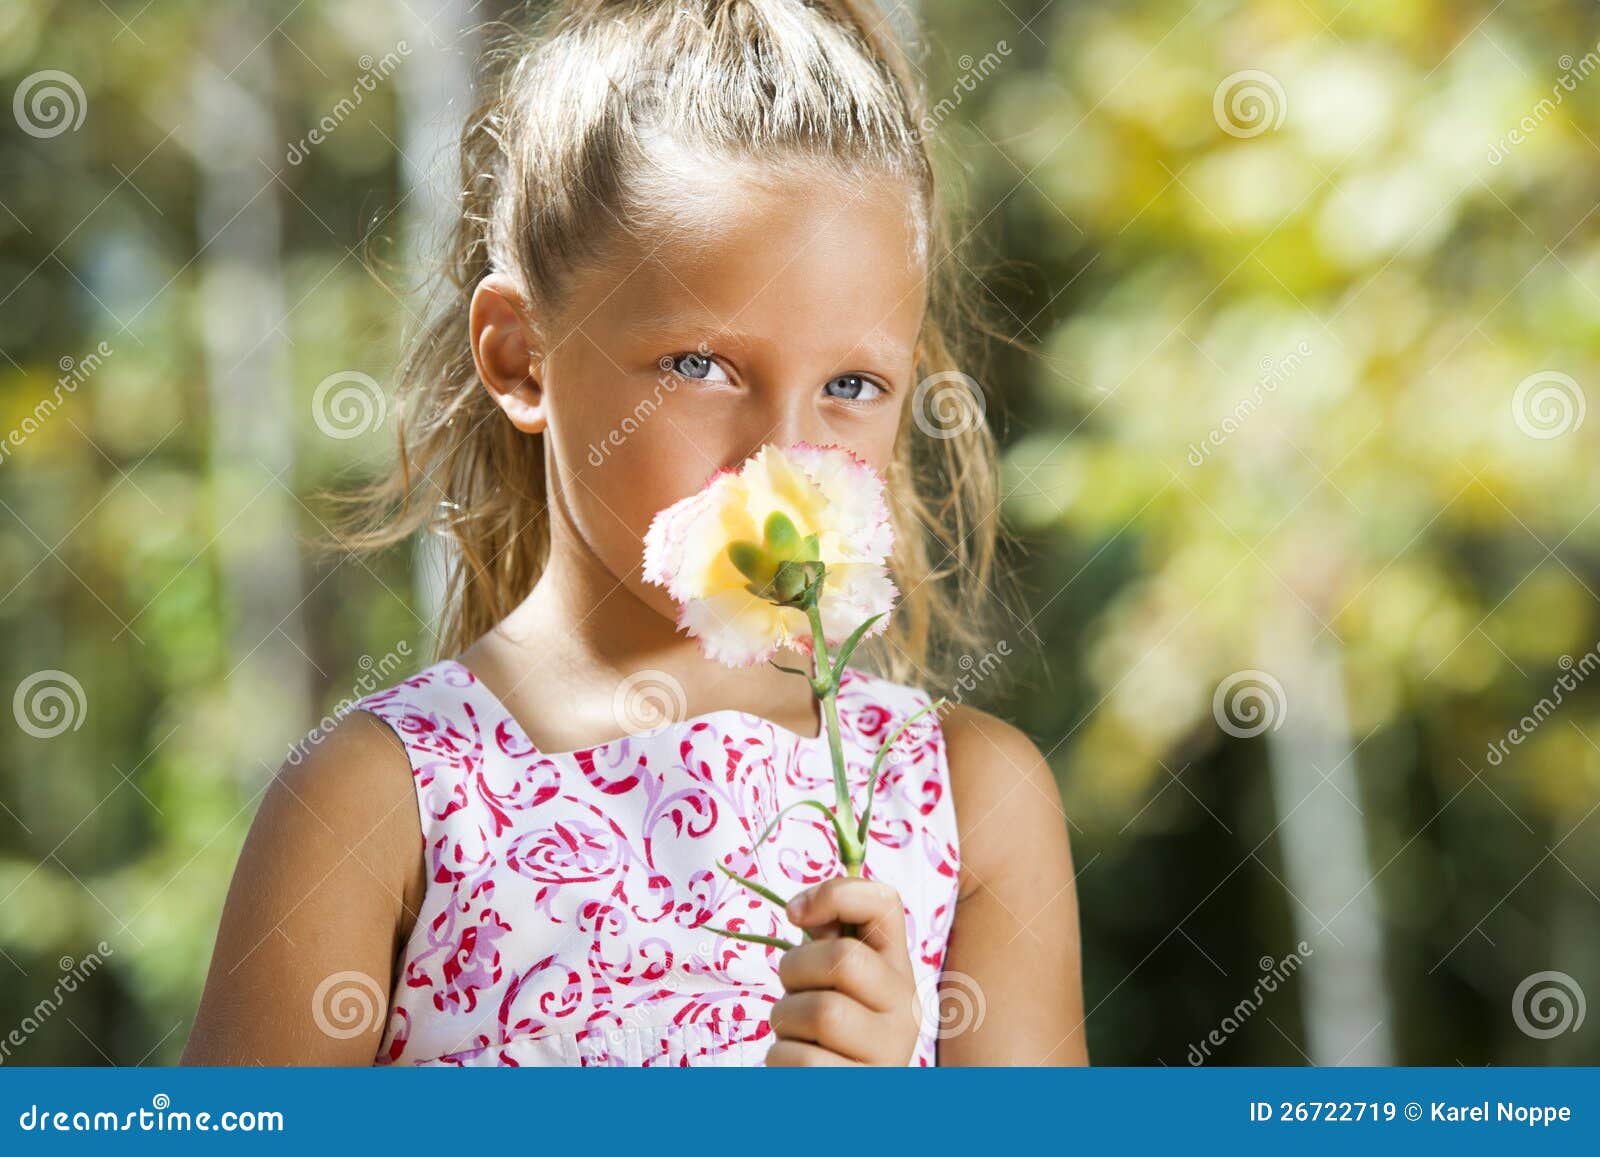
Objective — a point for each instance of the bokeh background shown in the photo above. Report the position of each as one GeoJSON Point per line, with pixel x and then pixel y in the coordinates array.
{"type": "Point", "coordinates": [1298, 452]}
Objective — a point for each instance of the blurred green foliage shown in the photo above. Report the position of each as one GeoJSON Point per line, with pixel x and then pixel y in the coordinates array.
{"type": "Point", "coordinates": [1359, 263]}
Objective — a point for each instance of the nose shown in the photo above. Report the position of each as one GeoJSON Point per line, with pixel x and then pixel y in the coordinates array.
{"type": "Point", "coordinates": [791, 416]}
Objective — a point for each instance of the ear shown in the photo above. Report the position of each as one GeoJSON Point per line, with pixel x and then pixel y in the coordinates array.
{"type": "Point", "coordinates": [504, 352]}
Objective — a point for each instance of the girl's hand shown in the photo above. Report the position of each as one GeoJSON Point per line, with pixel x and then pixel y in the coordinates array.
{"type": "Point", "coordinates": [848, 1001]}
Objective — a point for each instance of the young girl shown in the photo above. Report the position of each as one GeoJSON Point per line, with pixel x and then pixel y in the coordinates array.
{"type": "Point", "coordinates": [689, 229]}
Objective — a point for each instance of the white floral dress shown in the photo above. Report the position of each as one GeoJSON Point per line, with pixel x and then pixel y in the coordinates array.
{"type": "Point", "coordinates": [569, 893]}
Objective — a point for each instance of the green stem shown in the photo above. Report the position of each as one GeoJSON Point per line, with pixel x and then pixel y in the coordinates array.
{"type": "Point", "coordinates": [851, 852]}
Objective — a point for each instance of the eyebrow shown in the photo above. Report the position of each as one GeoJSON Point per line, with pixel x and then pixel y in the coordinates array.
{"type": "Point", "coordinates": [662, 324]}
{"type": "Point", "coordinates": [878, 348]}
{"type": "Point", "coordinates": [873, 346]}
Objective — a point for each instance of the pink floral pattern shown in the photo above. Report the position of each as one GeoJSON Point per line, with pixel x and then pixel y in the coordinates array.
{"type": "Point", "coordinates": [568, 895]}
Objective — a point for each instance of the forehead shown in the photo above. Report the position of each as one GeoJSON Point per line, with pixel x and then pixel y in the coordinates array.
{"type": "Point", "coordinates": [807, 254]}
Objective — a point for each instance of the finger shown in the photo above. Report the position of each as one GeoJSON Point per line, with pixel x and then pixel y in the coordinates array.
{"type": "Point", "coordinates": [873, 906]}
{"type": "Point", "coordinates": [826, 1018]}
{"type": "Point", "coordinates": [794, 1054]}
{"type": "Point", "coordinates": [845, 965]}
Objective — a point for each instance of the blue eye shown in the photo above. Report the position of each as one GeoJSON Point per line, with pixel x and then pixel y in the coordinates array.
{"type": "Point", "coordinates": [695, 366]}
{"type": "Point", "coordinates": [853, 388]}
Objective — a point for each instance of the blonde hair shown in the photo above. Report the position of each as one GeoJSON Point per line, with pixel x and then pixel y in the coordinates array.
{"type": "Point", "coordinates": [553, 163]}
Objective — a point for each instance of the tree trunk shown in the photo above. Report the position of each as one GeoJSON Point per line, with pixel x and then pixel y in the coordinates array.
{"type": "Point", "coordinates": [1326, 865]}
{"type": "Point", "coordinates": [253, 409]}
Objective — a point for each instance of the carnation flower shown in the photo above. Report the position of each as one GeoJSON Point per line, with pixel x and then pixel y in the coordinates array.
{"type": "Point", "coordinates": [725, 553]}
{"type": "Point", "coordinates": [790, 549]}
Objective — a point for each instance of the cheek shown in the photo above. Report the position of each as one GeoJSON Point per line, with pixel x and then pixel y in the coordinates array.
{"type": "Point", "coordinates": [627, 462]}
{"type": "Point", "coordinates": [876, 439]}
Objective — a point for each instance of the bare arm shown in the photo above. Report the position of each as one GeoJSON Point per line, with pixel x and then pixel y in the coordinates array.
{"type": "Point", "coordinates": [1012, 989]}
{"type": "Point", "coordinates": [327, 885]}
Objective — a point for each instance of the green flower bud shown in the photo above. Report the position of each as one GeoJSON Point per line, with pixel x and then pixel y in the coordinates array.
{"type": "Point", "coordinates": [751, 561]}
{"type": "Point", "coordinates": [783, 540]}
{"type": "Point", "coordinates": [789, 582]}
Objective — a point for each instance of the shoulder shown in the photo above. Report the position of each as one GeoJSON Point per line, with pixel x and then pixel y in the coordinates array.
{"type": "Point", "coordinates": [357, 760]}
{"type": "Point", "coordinates": [345, 798]}
{"type": "Point", "coordinates": [992, 761]}
{"type": "Point", "coordinates": [1008, 804]}
{"type": "Point", "coordinates": [327, 885]}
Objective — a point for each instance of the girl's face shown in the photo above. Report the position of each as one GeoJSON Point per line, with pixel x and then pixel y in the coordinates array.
{"type": "Point", "coordinates": [780, 316]}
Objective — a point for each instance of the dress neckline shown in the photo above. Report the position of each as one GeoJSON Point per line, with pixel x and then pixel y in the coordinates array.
{"type": "Point", "coordinates": [793, 738]}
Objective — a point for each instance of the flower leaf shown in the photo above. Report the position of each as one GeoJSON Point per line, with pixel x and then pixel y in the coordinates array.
{"type": "Point", "coordinates": [848, 647]}
{"type": "Point", "coordinates": [877, 760]}
{"type": "Point", "coordinates": [754, 938]}
{"type": "Point", "coordinates": [813, 803]}
{"type": "Point", "coordinates": [761, 890]}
